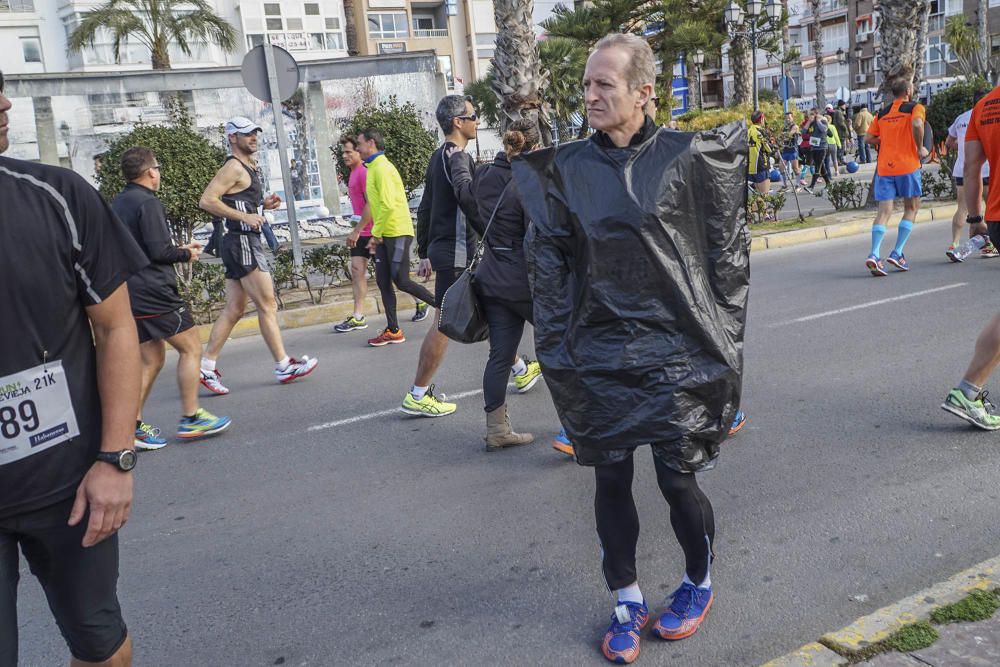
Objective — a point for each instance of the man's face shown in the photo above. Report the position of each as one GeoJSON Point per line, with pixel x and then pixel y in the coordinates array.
{"type": "Point", "coordinates": [366, 147]}
{"type": "Point", "coordinates": [4, 108]}
{"type": "Point", "coordinates": [610, 102]}
{"type": "Point", "coordinates": [468, 123]}
{"type": "Point", "coordinates": [154, 174]}
{"type": "Point", "coordinates": [350, 155]}
{"type": "Point", "coordinates": [246, 142]}
{"type": "Point", "coordinates": [789, 118]}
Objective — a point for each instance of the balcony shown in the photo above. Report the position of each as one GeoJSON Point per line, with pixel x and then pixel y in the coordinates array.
{"type": "Point", "coordinates": [430, 32]}
{"type": "Point", "coordinates": [827, 9]}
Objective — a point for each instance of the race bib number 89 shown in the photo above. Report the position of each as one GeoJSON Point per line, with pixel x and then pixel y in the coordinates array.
{"type": "Point", "coordinates": [35, 412]}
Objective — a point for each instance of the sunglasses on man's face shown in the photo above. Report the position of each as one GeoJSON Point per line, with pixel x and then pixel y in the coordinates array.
{"type": "Point", "coordinates": [472, 117]}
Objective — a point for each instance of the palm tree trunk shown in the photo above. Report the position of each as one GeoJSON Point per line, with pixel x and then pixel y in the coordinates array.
{"type": "Point", "coordinates": [899, 24]}
{"type": "Point", "coordinates": [739, 58]}
{"type": "Point", "coordinates": [983, 32]}
{"type": "Point", "coordinates": [817, 46]}
{"type": "Point", "coordinates": [351, 28]}
{"type": "Point", "coordinates": [518, 80]}
{"type": "Point", "coordinates": [920, 50]}
{"type": "Point", "coordinates": [160, 56]}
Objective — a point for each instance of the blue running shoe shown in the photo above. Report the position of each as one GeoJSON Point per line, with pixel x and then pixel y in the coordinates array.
{"type": "Point", "coordinates": [148, 437]}
{"type": "Point", "coordinates": [420, 312]}
{"type": "Point", "coordinates": [688, 607]}
{"type": "Point", "coordinates": [562, 444]}
{"type": "Point", "coordinates": [738, 421]}
{"type": "Point", "coordinates": [874, 264]}
{"type": "Point", "coordinates": [898, 260]}
{"type": "Point", "coordinates": [621, 642]}
{"type": "Point", "coordinates": [202, 425]}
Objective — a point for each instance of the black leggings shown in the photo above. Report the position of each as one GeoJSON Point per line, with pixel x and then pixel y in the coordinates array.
{"type": "Point", "coordinates": [818, 159]}
{"type": "Point", "coordinates": [506, 322]}
{"type": "Point", "coordinates": [618, 521]}
{"type": "Point", "coordinates": [392, 266]}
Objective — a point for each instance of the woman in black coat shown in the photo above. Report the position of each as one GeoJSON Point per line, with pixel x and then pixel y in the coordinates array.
{"type": "Point", "coordinates": [502, 277]}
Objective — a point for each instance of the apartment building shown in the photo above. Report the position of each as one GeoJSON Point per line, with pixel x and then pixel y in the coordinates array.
{"type": "Point", "coordinates": [461, 32]}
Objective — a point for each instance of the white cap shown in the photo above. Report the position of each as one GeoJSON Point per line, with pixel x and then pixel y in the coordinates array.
{"type": "Point", "coordinates": [241, 125]}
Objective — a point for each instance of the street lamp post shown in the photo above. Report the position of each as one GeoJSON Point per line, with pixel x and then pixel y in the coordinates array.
{"type": "Point", "coordinates": [844, 59]}
{"type": "Point", "coordinates": [753, 31]}
{"type": "Point", "coordinates": [699, 60]}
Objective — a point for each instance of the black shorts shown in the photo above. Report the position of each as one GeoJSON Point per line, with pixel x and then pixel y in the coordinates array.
{"type": "Point", "coordinates": [443, 279]}
{"type": "Point", "coordinates": [161, 327]}
{"type": "Point", "coordinates": [993, 229]}
{"type": "Point", "coordinates": [80, 583]}
{"type": "Point", "coordinates": [960, 181]}
{"type": "Point", "coordinates": [242, 253]}
{"type": "Point", "coordinates": [360, 249]}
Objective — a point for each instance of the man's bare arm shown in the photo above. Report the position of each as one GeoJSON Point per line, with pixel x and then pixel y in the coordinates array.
{"type": "Point", "coordinates": [918, 136]}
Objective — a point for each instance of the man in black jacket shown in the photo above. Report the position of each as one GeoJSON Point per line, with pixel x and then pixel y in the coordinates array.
{"type": "Point", "coordinates": [160, 313]}
{"type": "Point", "coordinates": [445, 243]}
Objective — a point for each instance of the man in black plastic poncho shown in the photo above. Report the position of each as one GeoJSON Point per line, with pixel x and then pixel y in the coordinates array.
{"type": "Point", "coordinates": [640, 274]}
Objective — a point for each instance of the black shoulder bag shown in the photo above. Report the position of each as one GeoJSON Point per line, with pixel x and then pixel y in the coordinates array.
{"type": "Point", "coordinates": [460, 315]}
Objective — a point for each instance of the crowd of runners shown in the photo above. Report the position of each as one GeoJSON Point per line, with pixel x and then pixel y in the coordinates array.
{"type": "Point", "coordinates": [93, 288]}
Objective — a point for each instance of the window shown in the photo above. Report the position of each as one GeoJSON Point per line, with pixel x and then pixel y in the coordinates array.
{"type": "Point", "coordinates": [311, 9]}
{"type": "Point", "coordinates": [17, 6]}
{"type": "Point", "coordinates": [275, 24]}
{"type": "Point", "coordinates": [334, 41]}
{"type": "Point", "coordinates": [423, 23]}
{"type": "Point", "coordinates": [254, 40]}
{"type": "Point", "coordinates": [332, 23]}
{"type": "Point", "coordinates": [31, 49]}
{"type": "Point", "coordinates": [388, 26]}
{"type": "Point", "coordinates": [444, 65]}
{"type": "Point", "coordinates": [317, 41]}
{"type": "Point", "coordinates": [272, 9]}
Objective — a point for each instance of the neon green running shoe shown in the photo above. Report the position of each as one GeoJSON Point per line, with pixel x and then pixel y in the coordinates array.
{"type": "Point", "coordinates": [428, 406]}
{"type": "Point", "coordinates": [202, 425]}
{"type": "Point", "coordinates": [529, 378]}
{"type": "Point", "coordinates": [977, 412]}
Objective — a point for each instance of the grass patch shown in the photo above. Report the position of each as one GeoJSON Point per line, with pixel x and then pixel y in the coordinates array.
{"type": "Point", "coordinates": [977, 606]}
{"type": "Point", "coordinates": [912, 637]}
{"type": "Point", "coordinates": [786, 225]}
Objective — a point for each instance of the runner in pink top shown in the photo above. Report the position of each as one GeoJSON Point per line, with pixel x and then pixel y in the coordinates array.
{"type": "Point", "coordinates": [358, 239]}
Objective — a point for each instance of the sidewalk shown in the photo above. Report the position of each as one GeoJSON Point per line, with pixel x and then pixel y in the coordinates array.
{"type": "Point", "coordinates": [947, 625]}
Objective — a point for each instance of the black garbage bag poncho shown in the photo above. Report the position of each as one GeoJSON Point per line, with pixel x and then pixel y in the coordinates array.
{"type": "Point", "coordinates": [639, 264]}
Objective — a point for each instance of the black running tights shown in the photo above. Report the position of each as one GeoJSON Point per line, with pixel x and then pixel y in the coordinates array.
{"type": "Point", "coordinates": [818, 159]}
{"type": "Point", "coordinates": [392, 266]}
{"type": "Point", "coordinates": [618, 521]}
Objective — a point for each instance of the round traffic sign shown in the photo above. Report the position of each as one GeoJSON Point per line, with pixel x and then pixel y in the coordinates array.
{"type": "Point", "coordinates": [254, 70]}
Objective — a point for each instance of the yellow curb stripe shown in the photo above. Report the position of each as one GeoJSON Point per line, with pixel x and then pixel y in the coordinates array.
{"type": "Point", "coordinates": [810, 655]}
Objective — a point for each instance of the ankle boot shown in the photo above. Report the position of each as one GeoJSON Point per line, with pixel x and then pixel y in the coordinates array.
{"type": "Point", "coordinates": [499, 433]}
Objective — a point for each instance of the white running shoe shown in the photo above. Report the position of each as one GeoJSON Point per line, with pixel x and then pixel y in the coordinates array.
{"type": "Point", "coordinates": [212, 380]}
{"type": "Point", "coordinates": [296, 369]}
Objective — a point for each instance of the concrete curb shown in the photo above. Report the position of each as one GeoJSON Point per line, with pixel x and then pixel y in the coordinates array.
{"type": "Point", "coordinates": [847, 645]}
{"type": "Point", "coordinates": [328, 313]}
{"type": "Point", "coordinates": [861, 225]}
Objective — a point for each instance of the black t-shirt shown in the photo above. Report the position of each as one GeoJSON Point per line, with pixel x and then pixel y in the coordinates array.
{"type": "Point", "coordinates": [153, 290]}
{"type": "Point", "coordinates": [61, 249]}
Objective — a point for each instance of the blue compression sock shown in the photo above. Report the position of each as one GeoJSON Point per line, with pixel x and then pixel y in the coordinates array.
{"type": "Point", "coordinates": [878, 233]}
{"type": "Point", "coordinates": [905, 227]}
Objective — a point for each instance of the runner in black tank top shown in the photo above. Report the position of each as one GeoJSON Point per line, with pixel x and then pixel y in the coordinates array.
{"type": "Point", "coordinates": [241, 207]}
{"type": "Point", "coordinates": [250, 200]}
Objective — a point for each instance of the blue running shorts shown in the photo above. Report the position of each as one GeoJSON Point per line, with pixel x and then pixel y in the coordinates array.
{"type": "Point", "coordinates": [888, 188]}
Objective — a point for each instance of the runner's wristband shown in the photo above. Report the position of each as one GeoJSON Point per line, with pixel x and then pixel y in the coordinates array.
{"type": "Point", "coordinates": [973, 219]}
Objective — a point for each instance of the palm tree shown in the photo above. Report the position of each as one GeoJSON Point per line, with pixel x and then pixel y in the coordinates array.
{"type": "Point", "coordinates": [921, 46]}
{"type": "Point", "coordinates": [156, 24]}
{"type": "Point", "coordinates": [565, 61]}
{"type": "Point", "coordinates": [518, 80]}
{"type": "Point", "coordinates": [350, 28]}
{"type": "Point", "coordinates": [899, 24]}
{"type": "Point", "coordinates": [817, 45]}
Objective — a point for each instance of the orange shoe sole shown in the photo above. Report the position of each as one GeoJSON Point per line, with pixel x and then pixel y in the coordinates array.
{"type": "Point", "coordinates": [688, 629]}
{"type": "Point", "coordinates": [562, 449]}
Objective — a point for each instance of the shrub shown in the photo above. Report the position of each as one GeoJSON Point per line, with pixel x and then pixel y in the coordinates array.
{"type": "Point", "coordinates": [774, 117]}
{"type": "Point", "coordinates": [408, 144]}
{"type": "Point", "coordinates": [762, 208]}
{"type": "Point", "coordinates": [205, 291]}
{"type": "Point", "coordinates": [948, 104]}
{"type": "Point", "coordinates": [188, 162]}
{"type": "Point", "coordinates": [937, 185]}
{"type": "Point", "coordinates": [333, 262]}
{"type": "Point", "coordinates": [845, 194]}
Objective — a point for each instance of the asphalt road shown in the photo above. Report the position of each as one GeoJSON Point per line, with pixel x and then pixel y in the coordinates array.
{"type": "Point", "coordinates": [395, 540]}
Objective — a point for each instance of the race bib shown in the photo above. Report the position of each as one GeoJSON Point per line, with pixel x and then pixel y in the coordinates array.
{"type": "Point", "coordinates": [815, 141]}
{"type": "Point", "coordinates": [35, 412]}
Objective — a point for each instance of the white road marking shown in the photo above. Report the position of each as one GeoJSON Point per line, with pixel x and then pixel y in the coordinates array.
{"type": "Point", "coordinates": [839, 311]}
{"type": "Point", "coordinates": [384, 413]}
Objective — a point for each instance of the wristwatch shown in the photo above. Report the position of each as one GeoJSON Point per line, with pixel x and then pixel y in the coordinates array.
{"type": "Point", "coordinates": [973, 219]}
{"type": "Point", "coordinates": [123, 460]}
